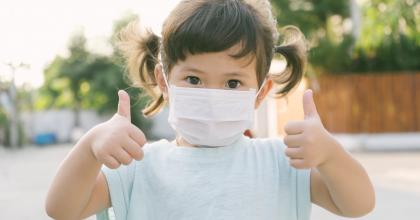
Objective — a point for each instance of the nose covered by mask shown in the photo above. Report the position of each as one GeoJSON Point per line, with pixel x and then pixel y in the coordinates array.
{"type": "Point", "coordinates": [210, 117]}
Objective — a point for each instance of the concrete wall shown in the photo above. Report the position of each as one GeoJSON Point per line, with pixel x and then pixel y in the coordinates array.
{"type": "Point", "coordinates": [59, 122]}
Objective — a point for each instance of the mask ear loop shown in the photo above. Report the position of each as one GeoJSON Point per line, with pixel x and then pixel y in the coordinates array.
{"type": "Point", "coordinates": [262, 85]}
{"type": "Point", "coordinates": [165, 79]}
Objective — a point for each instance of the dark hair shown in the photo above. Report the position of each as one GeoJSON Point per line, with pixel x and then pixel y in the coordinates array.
{"type": "Point", "coordinates": [201, 26]}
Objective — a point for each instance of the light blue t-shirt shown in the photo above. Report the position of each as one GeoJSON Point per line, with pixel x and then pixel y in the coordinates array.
{"type": "Point", "coordinates": [248, 180]}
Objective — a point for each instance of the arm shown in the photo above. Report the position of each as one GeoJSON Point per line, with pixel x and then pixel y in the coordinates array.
{"type": "Point", "coordinates": [339, 185]}
{"type": "Point", "coordinates": [79, 189]}
{"type": "Point", "coordinates": [338, 182]}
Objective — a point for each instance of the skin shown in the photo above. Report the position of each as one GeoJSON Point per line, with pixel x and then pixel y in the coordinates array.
{"type": "Point", "coordinates": [338, 182]}
{"type": "Point", "coordinates": [112, 143]}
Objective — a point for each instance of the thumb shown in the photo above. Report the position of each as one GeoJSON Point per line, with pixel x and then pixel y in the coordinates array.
{"type": "Point", "coordinates": [124, 104]}
{"type": "Point", "coordinates": [309, 107]}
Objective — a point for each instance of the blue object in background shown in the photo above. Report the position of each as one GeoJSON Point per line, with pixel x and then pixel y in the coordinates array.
{"type": "Point", "coordinates": [45, 138]}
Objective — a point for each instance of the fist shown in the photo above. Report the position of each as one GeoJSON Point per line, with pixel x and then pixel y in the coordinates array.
{"type": "Point", "coordinates": [117, 141]}
{"type": "Point", "coordinates": [309, 144]}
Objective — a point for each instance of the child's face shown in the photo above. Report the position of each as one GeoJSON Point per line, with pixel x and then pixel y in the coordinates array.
{"type": "Point", "coordinates": [216, 70]}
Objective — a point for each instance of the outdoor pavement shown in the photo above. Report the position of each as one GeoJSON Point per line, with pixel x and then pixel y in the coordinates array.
{"type": "Point", "coordinates": [26, 174]}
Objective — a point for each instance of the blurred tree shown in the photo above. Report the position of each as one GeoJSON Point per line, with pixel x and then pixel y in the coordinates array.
{"type": "Point", "coordinates": [85, 80]}
{"type": "Point", "coordinates": [322, 23]}
{"type": "Point", "coordinates": [3, 118]}
{"type": "Point", "coordinates": [67, 78]}
{"type": "Point", "coordinates": [389, 38]}
{"type": "Point", "coordinates": [4, 125]}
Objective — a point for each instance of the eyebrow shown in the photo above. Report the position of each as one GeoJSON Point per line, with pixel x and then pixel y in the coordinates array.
{"type": "Point", "coordinates": [202, 72]}
{"type": "Point", "coordinates": [193, 70]}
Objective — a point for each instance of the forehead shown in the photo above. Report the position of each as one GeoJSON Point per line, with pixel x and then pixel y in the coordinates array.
{"type": "Point", "coordinates": [219, 62]}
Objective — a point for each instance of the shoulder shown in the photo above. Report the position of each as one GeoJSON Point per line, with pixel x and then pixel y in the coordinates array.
{"type": "Point", "coordinates": [151, 149]}
{"type": "Point", "coordinates": [121, 181]}
{"type": "Point", "coordinates": [296, 181]}
{"type": "Point", "coordinates": [274, 144]}
{"type": "Point", "coordinates": [269, 149]}
{"type": "Point", "coordinates": [156, 146]}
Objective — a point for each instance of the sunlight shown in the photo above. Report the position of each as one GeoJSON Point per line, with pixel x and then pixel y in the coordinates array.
{"type": "Point", "coordinates": [36, 31]}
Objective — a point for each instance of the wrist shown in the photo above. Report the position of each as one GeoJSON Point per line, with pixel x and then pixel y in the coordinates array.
{"type": "Point", "coordinates": [336, 153]}
{"type": "Point", "coordinates": [86, 142]}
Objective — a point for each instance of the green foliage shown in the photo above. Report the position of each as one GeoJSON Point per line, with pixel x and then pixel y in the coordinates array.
{"type": "Point", "coordinates": [5, 127]}
{"type": "Point", "coordinates": [389, 39]}
{"type": "Point", "coordinates": [3, 118]}
{"type": "Point", "coordinates": [4, 122]}
{"type": "Point", "coordinates": [321, 21]}
{"type": "Point", "coordinates": [85, 80]}
{"type": "Point", "coordinates": [310, 16]}
{"type": "Point", "coordinates": [390, 36]}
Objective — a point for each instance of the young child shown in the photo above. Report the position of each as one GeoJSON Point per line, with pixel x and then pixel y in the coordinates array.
{"type": "Point", "coordinates": [211, 66]}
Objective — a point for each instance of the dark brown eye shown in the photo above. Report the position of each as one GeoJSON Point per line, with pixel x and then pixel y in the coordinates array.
{"type": "Point", "coordinates": [193, 80]}
{"type": "Point", "coordinates": [233, 84]}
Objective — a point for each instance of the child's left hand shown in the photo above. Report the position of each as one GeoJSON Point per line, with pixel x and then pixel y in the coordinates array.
{"type": "Point", "coordinates": [309, 144]}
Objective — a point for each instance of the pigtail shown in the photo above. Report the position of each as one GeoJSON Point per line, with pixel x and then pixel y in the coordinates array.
{"type": "Point", "coordinates": [294, 51]}
{"type": "Point", "coordinates": [140, 47]}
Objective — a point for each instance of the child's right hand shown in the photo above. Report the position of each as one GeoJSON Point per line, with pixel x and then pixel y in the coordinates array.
{"type": "Point", "coordinates": [117, 141]}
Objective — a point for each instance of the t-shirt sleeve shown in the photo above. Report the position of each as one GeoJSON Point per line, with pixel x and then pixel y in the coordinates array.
{"type": "Point", "coordinates": [299, 180]}
{"type": "Point", "coordinates": [120, 184]}
{"type": "Point", "coordinates": [303, 194]}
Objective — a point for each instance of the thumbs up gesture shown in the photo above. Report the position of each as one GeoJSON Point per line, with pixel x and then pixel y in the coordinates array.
{"type": "Point", "coordinates": [117, 141]}
{"type": "Point", "coordinates": [309, 144]}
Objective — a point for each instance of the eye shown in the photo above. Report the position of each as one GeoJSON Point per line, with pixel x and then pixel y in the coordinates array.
{"type": "Point", "coordinates": [233, 84]}
{"type": "Point", "coordinates": [193, 80]}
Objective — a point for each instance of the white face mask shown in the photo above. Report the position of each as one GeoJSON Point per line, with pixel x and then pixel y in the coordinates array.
{"type": "Point", "coordinates": [210, 117]}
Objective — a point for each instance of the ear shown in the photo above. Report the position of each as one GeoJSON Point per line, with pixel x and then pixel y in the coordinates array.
{"type": "Point", "coordinates": [264, 92]}
{"type": "Point", "coordinates": [160, 80]}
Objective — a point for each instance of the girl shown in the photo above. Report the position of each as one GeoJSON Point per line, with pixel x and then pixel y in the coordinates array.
{"type": "Point", "coordinates": [211, 67]}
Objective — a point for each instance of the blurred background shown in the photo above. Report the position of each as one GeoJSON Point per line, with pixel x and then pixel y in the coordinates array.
{"type": "Point", "coordinates": [60, 73]}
